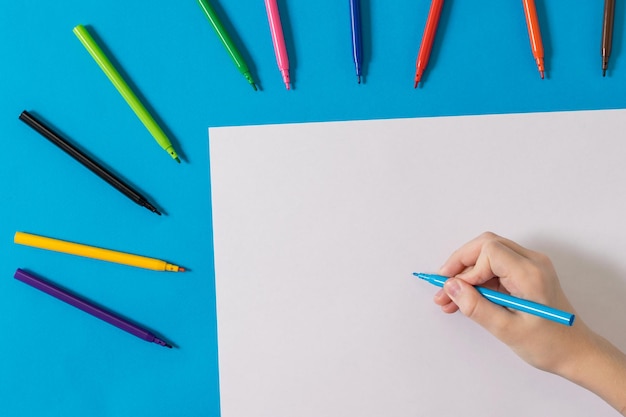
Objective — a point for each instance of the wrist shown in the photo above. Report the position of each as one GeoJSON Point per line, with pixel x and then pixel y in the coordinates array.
{"type": "Point", "coordinates": [584, 352]}
{"type": "Point", "coordinates": [597, 365]}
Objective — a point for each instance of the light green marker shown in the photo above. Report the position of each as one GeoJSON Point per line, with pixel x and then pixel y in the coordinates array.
{"type": "Point", "coordinates": [228, 43]}
{"type": "Point", "coordinates": [96, 53]}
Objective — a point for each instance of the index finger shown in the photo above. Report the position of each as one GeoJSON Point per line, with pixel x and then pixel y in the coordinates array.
{"type": "Point", "coordinates": [467, 255]}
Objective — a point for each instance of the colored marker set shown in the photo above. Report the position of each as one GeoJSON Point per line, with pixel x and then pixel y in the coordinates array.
{"type": "Point", "coordinates": [278, 40]}
{"type": "Point", "coordinates": [46, 131]}
{"type": "Point", "coordinates": [273, 15]}
{"type": "Point", "coordinates": [90, 44]}
{"type": "Point", "coordinates": [534, 34]}
{"type": "Point", "coordinates": [96, 52]}
{"type": "Point", "coordinates": [430, 29]}
{"type": "Point", "coordinates": [92, 252]}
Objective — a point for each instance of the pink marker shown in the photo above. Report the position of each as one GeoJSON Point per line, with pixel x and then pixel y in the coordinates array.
{"type": "Point", "coordinates": [278, 39]}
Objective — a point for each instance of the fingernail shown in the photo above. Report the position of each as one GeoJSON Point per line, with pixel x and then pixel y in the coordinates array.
{"type": "Point", "coordinates": [439, 293]}
{"type": "Point", "coordinates": [452, 287]}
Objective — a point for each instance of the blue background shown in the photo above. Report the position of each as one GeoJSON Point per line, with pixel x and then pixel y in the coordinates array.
{"type": "Point", "coordinates": [58, 361]}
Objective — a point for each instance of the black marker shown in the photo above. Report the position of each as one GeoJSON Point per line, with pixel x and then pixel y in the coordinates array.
{"type": "Point", "coordinates": [53, 137]}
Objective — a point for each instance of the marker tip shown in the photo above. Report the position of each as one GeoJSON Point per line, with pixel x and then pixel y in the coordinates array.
{"type": "Point", "coordinates": [150, 207]}
{"type": "Point", "coordinates": [421, 275]}
{"type": "Point", "coordinates": [162, 342]}
{"type": "Point", "coordinates": [418, 77]}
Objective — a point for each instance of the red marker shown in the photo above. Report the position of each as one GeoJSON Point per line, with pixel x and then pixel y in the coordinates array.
{"type": "Point", "coordinates": [428, 39]}
{"type": "Point", "coordinates": [534, 34]}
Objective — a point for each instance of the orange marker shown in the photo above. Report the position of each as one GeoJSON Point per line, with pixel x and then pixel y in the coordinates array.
{"type": "Point", "coordinates": [427, 39]}
{"type": "Point", "coordinates": [534, 33]}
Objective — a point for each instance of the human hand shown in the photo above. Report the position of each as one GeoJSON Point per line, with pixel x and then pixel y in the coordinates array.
{"type": "Point", "coordinates": [501, 264]}
{"type": "Point", "coordinates": [575, 353]}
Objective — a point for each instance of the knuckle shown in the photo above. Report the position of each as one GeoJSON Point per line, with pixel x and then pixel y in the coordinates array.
{"type": "Point", "coordinates": [488, 236]}
{"type": "Point", "coordinates": [491, 246]}
{"type": "Point", "coordinates": [536, 267]}
{"type": "Point", "coordinates": [544, 260]}
{"type": "Point", "coordinates": [530, 269]}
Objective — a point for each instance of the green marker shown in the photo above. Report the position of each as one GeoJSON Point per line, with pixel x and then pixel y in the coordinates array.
{"type": "Point", "coordinates": [227, 41]}
{"type": "Point", "coordinates": [96, 53]}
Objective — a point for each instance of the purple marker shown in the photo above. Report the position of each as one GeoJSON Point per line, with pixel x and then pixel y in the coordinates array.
{"type": "Point", "coordinates": [87, 307]}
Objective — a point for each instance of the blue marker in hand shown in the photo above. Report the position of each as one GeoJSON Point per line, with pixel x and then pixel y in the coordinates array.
{"type": "Point", "coordinates": [509, 301]}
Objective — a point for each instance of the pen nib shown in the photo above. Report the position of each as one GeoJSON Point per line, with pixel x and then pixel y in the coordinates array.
{"type": "Point", "coordinates": [151, 208]}
{"type": "Point", "coordinates": [418, 77]}
{"type": "Point", "coordinates": [358, 79]}
{"type": "Point", "coordinates": [420, 275]}
{"type": "Point", "coordinates": [162, 343]}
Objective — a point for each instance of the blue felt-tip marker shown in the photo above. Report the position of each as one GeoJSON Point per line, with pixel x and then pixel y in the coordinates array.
{"type": "Point", "coordinates": [357, 46]}
{"type": "Point", "coordinates": [509, 301]}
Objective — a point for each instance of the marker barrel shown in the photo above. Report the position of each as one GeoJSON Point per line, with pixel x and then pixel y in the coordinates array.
{"type": "Point", "coordinates": [86, 306]}
{"type": "Point", "coordinates": [122, 87]}
{"type": "Point", "coordinates": [87, 251]}
{"type": "Point", "coordinates": [510, 301]}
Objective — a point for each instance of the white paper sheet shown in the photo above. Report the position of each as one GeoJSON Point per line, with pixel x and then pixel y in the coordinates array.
{"type": "Point", "coordinates": [318, 228]}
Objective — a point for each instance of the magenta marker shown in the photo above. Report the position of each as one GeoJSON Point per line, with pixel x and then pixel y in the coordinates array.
{"type": "Point", "coordinates": [278, 39]}
{"type": "Point", "coordinates": [87, 307]}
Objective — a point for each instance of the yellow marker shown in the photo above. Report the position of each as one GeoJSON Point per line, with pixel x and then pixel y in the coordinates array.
{"type": "Point", "coordinates": [93, 252]}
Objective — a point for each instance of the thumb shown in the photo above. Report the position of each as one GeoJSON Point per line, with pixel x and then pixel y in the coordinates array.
{"type": "Point", "coordinates": [492, 317]}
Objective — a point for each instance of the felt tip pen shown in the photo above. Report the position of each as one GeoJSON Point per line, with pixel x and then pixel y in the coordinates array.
{"type": "Point", "coordinates": [88, 307]}
{"type": "Point", "coordinates": [47, 132]}
{"type": "Point", "coordinates": [278, 39]}
{"type": "Point", "coordinates": [357, 44]}
{"type": "Point", "coordinates": [226, 40]}
{"type": "Point", "coordinates": [93, 252]}
{"type": "Point", "coordinates": [427, 39]}
{"type": "Point", "coordinates": [607, 34]}
{"type": "Point", "coordinates": [122, 87]}
{"type": "Point", "coordinates": [509, 301]}
{"type": "Point", "coordinates": [534, 34]}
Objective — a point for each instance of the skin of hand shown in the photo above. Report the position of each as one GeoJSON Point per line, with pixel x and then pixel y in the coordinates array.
{"type": "Point", "coordinates": [575, 352]}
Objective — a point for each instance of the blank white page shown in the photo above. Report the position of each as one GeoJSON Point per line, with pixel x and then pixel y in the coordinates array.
{"type": "Point", "coordinates": [318, 228]}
